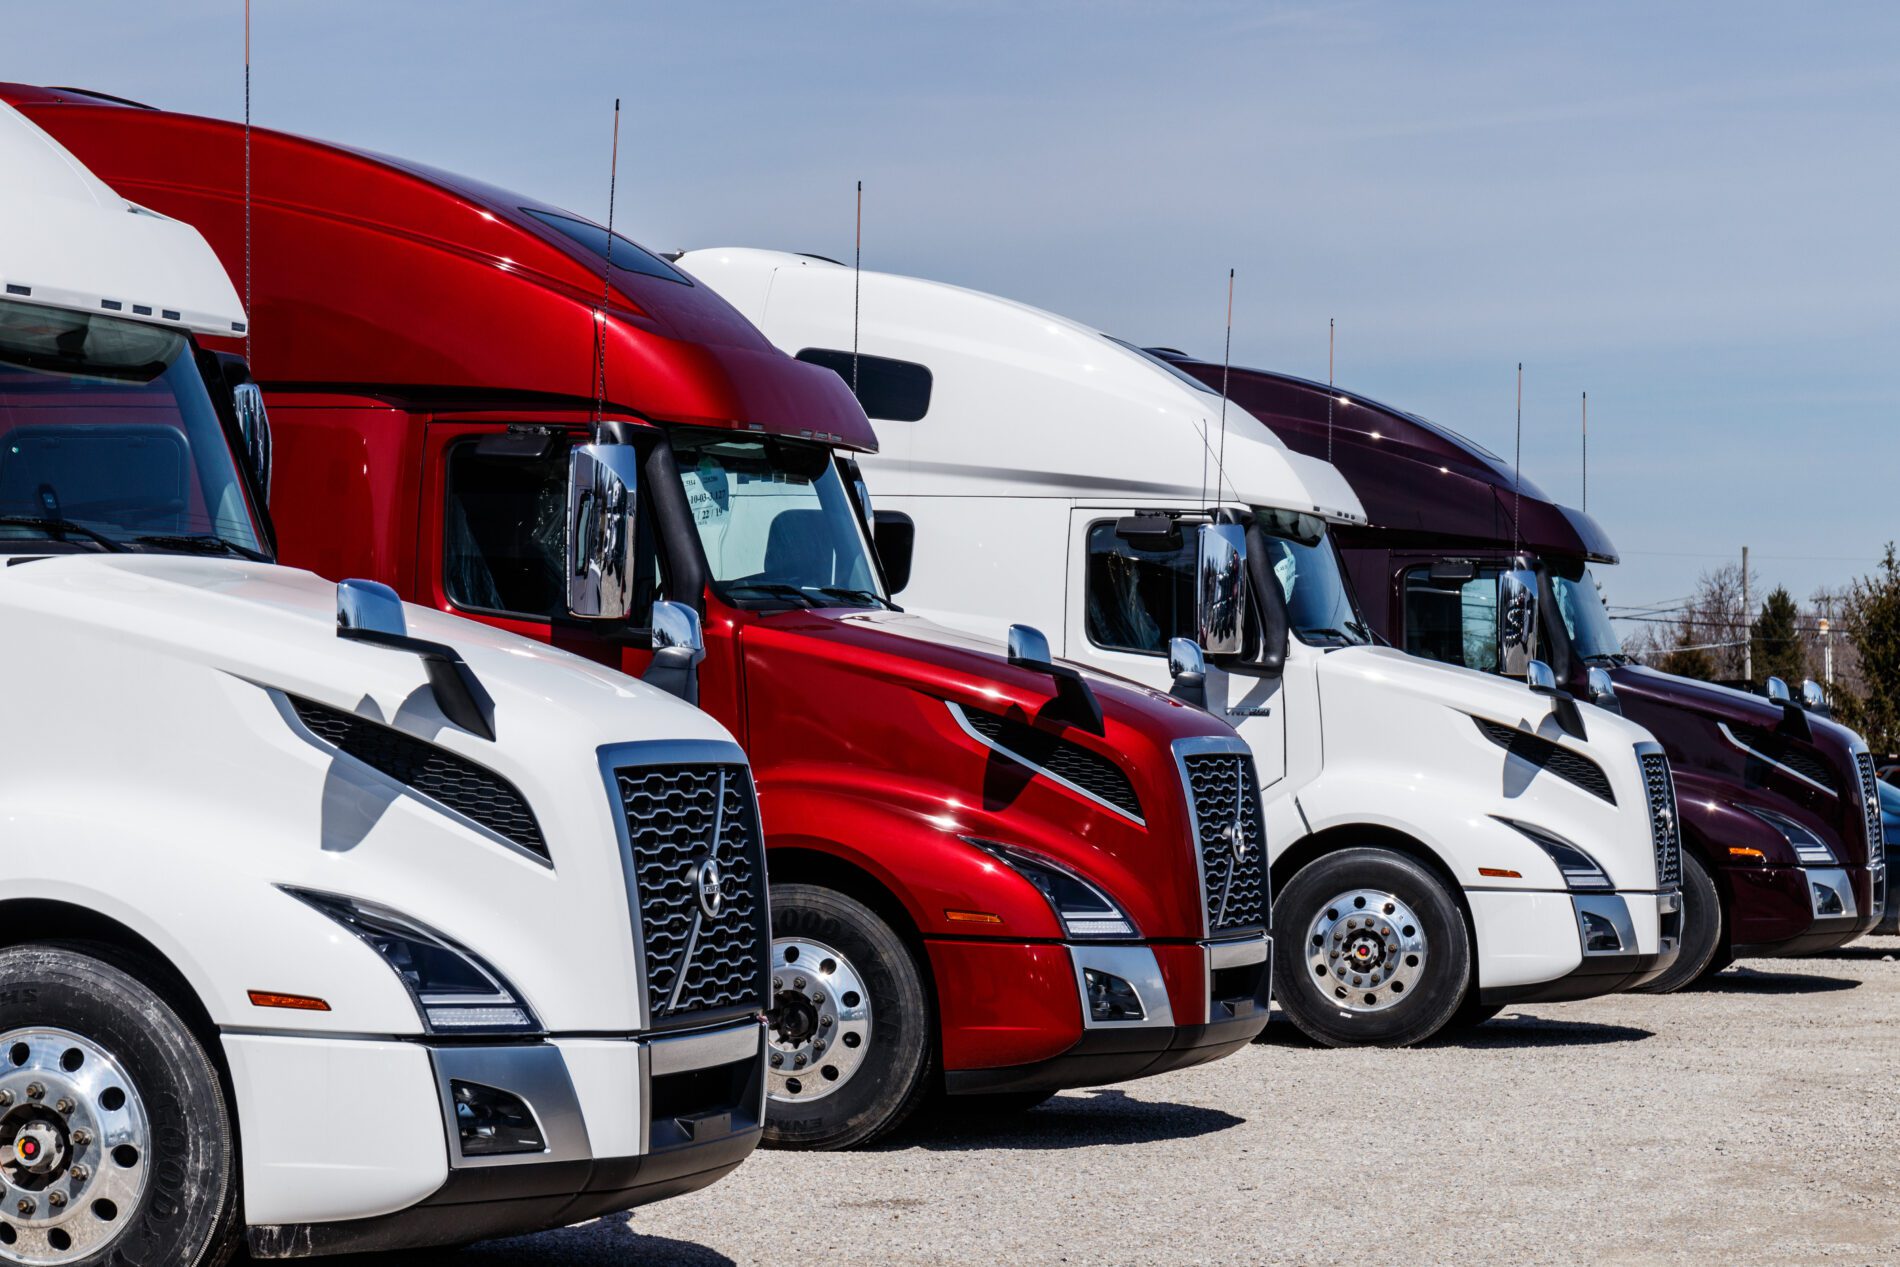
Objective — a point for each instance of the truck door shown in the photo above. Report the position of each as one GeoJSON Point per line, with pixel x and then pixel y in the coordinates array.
{"type": "Point", "coordinates": [1127, 598]}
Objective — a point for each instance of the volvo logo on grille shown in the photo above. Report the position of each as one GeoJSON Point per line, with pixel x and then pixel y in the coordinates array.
{"type": "Point", "coordinates": [1236, 840]}
{"type": "Point", "coordinates": [711, 883]}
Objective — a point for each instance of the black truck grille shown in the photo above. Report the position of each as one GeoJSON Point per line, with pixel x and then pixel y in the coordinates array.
{"type": "Point", "coordinates": [450, 779]}
{"type": "Point", "coordinates": [1570, 766]}
{"type": "Point", "coordinates": [1660, 788]}
{"type": "Point", "coordinates": [701, 953]}
{"type": "Point", "coordinates": [1870, 808]}
{"type": "Point", "coordinates": [1225, 797]}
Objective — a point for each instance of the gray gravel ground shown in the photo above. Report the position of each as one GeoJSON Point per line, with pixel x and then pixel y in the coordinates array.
{"type": "Point", "coordinates": [1748, 1122]}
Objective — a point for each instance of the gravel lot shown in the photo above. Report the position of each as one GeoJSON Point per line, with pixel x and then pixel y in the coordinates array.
{"type": "Point", "coordinates": [1748, 1122]}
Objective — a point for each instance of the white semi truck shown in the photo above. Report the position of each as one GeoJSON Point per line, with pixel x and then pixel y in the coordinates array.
{"type": "Point", "coordinates": [1444, 842]}
{"type": "Point", "coordinates": [326, 922]}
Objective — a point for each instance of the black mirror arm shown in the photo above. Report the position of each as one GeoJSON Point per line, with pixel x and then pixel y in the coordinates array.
{"type": "Point", "coordinates": [675, 671]}
{"type": "Point", "coordinates": [1794, 722]}
{"type": "Point", "coordinates": [1269, 605]}
{"type": "Point", "coordinates": [1563, 706]}
{"type": "Point", "coordinates": [1074, 703]}
{"type": "Point", "coordinates": [458, 692]}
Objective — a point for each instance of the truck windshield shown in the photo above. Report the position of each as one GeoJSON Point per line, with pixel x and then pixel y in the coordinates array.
{"type": "Point", "coordinates": [1320, 608]}
{"type": "Point", "coordinates": [777, 523]}
{"type": "Point", "coordinates": [1580, 604]}
{"type": "Point", "coordinates": [108, 439]}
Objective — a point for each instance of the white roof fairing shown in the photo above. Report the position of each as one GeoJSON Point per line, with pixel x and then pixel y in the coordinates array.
{"type": "Point", "coordinates": [1023, 402]}
{"type": "Point", "coordinates": [68, 241]}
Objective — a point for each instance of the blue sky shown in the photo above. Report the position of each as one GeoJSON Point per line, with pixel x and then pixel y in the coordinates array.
{"type": "Point", "coordinates": [1687, 210]}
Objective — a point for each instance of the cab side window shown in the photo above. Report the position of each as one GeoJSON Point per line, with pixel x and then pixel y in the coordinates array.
{"type": "Point", "coordinates": [1138, 598]}
{"type": "Point", "coordinates": [504, 533]}
{"type": "Point", "coordinates": [1454, 622]}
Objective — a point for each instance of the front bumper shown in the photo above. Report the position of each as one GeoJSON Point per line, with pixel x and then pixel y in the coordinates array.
{"type": "Point", "coordinates": [1614, 941]}
{"type": "Point", "coordinates": [1819, 908]}
{"type": "Point", "coordinates": [1199, 1002]}
{"type": "Point", "coordinates": [625, 1121]}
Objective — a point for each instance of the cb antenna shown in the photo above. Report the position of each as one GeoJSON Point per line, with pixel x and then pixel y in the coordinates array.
{"type": "Point", "coordinates": [857, 288]}
{"type": "Point", "coordinates": [1226, 360]}
{"type": "Point", "coordinates": [250, 318]}
{"type": "Point", "coordinates": [1586, 452]}
{"type": "Point", "coordinates": [1329, 388]}
{"type": "Point", "coordinates": [606, 282]}
{"type": "Point", "coordinates": [1517, 473]}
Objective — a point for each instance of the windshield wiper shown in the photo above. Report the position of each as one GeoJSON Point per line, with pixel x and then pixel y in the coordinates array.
{"type": "Point", "coordinates": [776, 588]}
{"type": "Point", "coordinates": [1316, 632]}
{"type": "Point", "coordinates": [839, 591]}
{"type": "Point", "coordinates": [58, 528]}
{"type": "Point", "coordinates": [200, 542]}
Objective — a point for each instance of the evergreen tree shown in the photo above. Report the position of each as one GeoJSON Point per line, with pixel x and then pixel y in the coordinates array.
{"type": "Point", "coordinates": [1774, 641]}
{"type": "Point", "coordinates": [1873, 627]}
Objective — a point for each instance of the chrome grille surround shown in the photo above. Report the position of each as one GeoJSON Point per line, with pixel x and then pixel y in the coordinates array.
{"type": "Point", "coordinates": [1229, 827]}
{"type": "Point", "coordinates": [1665, 822]}
{"type": "Point", "coordinates": [1870, 810]}
{"type": "Point", "coordinates": [678, 806]}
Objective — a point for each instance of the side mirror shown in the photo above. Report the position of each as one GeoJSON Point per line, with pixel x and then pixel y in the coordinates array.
{"type": "Point", "coordinates": [1029, 647]}
{"type": "Point", "coordinates": [1517, 623]}
{"type": "Point", "coordinates": [370, 612]}
{"type": "Point", "coordinates": [1603, 690]}
{"type": "Point", "coordinates": [679, 644]}
{"type": "Point", "coordinates": [1539, 678]}
{"type": "Point", "coordinates": [369, 606]}
{"type": "Point", "coordinates": [247, 399]}
{"type": "Point", "coordinates": [1813, 697]}
{"type": "Point", "coordinates": [603, 482]}
{"type": "Point", "coordinates": [1188, 666]}
{"type": "Point", "coordinates": [1776, 690]}
{"type": "Point", "coordinates": [1220, 608]}
{"type": "Point", "coordinates": [896, 539]}
{"type": "Point", "coordinates": [1075, 702]}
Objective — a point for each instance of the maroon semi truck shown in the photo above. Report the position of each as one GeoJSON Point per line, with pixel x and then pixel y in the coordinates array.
{"type": "Point", "coordinates": [1779, 812]}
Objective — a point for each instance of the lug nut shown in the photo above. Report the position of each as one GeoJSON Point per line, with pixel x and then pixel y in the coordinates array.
{"type": "Point", "coordinates": [817, 998]}
{"type": "Point", "coordinates": [778, 983]}
{"type": "Point", "coordinates": [80, 1174]}
{"type": "Point", "coordinates": [777, 1060]}
{"type": "Point", "coordinates": [798, 983]}
{"type": "Point", "coordinates": [818, 1048]}
{"type": "Point", "coordinates": [34, 1091]}
{"type": "Point", "coordinates": [25, 1206]}
{"type": "Point", "coordinates": [56, 1199]}
{"type": "Point", "coordinates": [81, 1138]}
{"type": "Point", "coordinates": [824, 1022]}
{"type": "Point", "coordinates": [64, 1107]}
{"type": "Point", "coordinates": [798, 1062]}
{"type": "Point", "coordinates": [6, 1098]}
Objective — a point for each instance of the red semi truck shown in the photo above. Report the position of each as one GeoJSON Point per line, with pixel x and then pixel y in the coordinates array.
{"type": "Point", "coordinates": [989, 874]}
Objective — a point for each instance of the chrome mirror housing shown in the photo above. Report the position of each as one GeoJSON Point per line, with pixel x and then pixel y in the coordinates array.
{"type": "Point", "coordinates": [1777, 690]}
{"type": "Point", "coordinates": [369, 607]}
{"type": "Point", "coordinates": [247, 399]}
{"type": "Point", "coordinates": [1517, 622]}
{"type": "Point", "coordinates": [1187, 665]}
{"type": "Point", "coordinates": [1220, 608]}
{"type": "Point", "coordinates": [1029, 647]}
{"type": "Point", "coordinates": [602, 494]}
{"type": "Point", "coordinates": [1539, 678]}
{"type": "Point", "coordinates": [679, 644]}
{"type": "Point", "coordinates": [1812, 696]}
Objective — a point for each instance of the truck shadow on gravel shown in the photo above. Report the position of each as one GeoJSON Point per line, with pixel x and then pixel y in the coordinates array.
{"type": "Point", "coordinates": [1073, 1120]}
{"type": "Point", "coordinates": [1506, 1030]}
{"type": "Point", "coordinates": [1745, 981]}
{"type": "Point", "coordinates": [608, 1242]}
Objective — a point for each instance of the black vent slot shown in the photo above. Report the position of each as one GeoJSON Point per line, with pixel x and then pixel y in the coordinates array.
{"type": "Point", "coordinates": [1233, 845]}
{"type": "Point", "coordinates": [1063, 758]}
{"type": "Point", "coordinates": [1572, 767]}
{"type": "Point", "coordinates": [1793, 754]}
{"type": "Point", "coordinates": [700, 957]}
{"type": "Point", "coordinates": [471, 790]}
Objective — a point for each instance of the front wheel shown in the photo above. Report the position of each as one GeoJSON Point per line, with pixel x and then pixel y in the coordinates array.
{"type": "Point", "coordinates": [849, 1039]}
{"type": "Point", "coordinates": [1703, 934]}
{"type": "Point", "coordinates": [115, 1145]}
{"type": "Point", "coordinates": [1384, 956]}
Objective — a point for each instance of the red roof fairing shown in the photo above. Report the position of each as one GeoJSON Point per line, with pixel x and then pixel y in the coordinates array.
{"type": "Point", "coordinates": [375, 274]}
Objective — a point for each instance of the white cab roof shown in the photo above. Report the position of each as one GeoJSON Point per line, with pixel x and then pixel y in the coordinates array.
{"type": "Point", "coordinates": [1023, 402]}
{"type": "Point", "coordinates": [68, 241]}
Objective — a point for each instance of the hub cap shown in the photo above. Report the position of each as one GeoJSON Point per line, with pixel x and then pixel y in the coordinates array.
{"type": "Point", "coordinates": [820, 1022]}
{"type": "Point", "coordinates": [74, 1147]}
{"type": "Point", "coordinates": [1366, 951]}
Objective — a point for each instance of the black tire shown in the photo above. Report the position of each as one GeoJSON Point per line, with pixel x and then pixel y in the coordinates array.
{"type": "Point", "coordinates": [1471, 1015]}
{"type": "Point", "coordinates": [895, 1074]}
{"type": "Point", "coordinates": [188, 1211]}
{"type": "Point", "coordinates": [1434, 998]}
{"type": "Point", "coordinates": [1704, 932]}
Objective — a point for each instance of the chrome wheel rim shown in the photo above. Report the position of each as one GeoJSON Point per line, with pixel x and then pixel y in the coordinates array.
{"type": "Point", "coordinates": [75, 1147]}
{"type": "Point", "coordinates": [819, 1028]}
{"type": "Point", "coordinates": [1366, 951]}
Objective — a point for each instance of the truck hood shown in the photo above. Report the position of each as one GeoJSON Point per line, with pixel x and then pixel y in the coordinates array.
{"type": "Point", "coordinates": [276, 627]}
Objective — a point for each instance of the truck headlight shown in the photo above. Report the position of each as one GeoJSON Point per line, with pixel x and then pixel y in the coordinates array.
{"type": "Point", "coordinates": [1085, 911]}
{"type": "Point", "coordinates": [454, 991]}
{"type": "Point", "coordinates": [1808, 847]}
{"type": "Point", "coordinates": [1579, 869]}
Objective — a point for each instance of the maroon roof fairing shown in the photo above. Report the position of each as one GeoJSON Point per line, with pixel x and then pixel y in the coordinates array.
{"type": "Point", "coordinates": [1412, 476]}
{"type": "Point", "coordinates": [376, 274]}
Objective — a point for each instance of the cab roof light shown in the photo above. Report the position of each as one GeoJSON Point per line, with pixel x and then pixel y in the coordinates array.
{"type": "Point", "coordinates": [294, 1002]}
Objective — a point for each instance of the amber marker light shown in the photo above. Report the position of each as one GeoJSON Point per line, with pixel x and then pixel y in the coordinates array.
{"type": "Point", "coordinates": [1743, 851]}
{"type": "Point", "coordinates": [295, 1002]}
{"type": "Point", "coordinates": [1501, 873]}
{"type": "Point", "coordinates": [972, 917]}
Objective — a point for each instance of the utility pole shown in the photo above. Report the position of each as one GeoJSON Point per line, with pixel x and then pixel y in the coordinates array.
{"type": "Point", "coordinates": [1827, 655]}
{"type": "Point", "coordinates": [1748, 641]}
